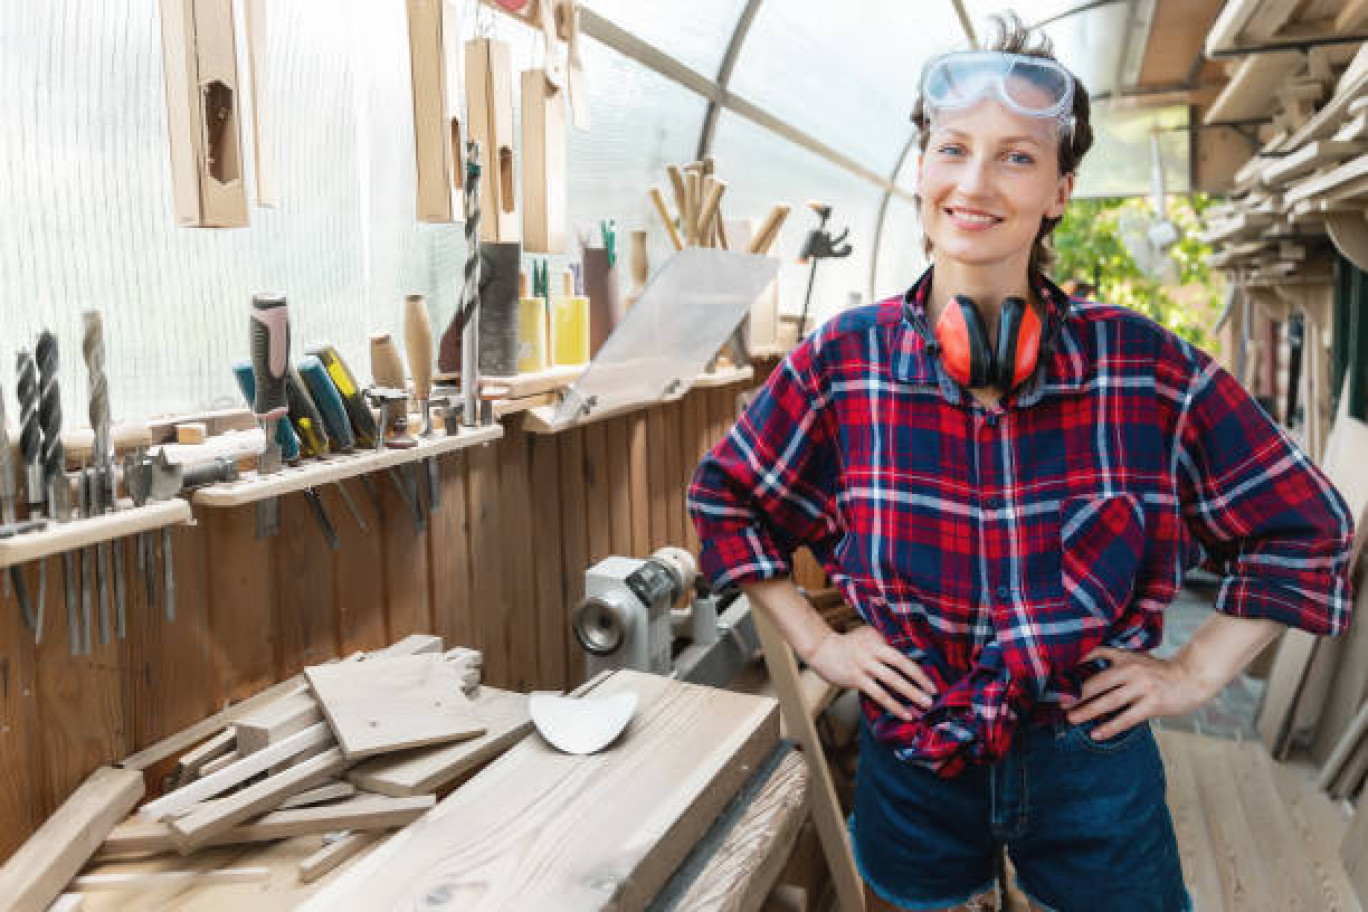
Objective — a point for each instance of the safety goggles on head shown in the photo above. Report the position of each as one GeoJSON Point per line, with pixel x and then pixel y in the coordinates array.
{"type": "Point", "coordinates": [1033, 86]}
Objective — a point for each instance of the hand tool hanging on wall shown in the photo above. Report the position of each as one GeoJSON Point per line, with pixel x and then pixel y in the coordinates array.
{"type": "Point", "coordinates": [270, 340]}
{"type": "Point", "coordinates": [468, 314]}
{"type": "Point", "coordinates": [387, 370]}
{"type": "Point", "coordinates": [286, 437]}
{"type": "Point", "coordinates": [418, 343]}
{"type": "Point", "coordinates": [31, 451]}
{"type": "Point", "coordinates": [333, 412]}
{"type": "Point", "coordinates": [100, 483]}
{"type": "Point", "coordinates": [354, 422]}
{"type": "Point", "coordinates": [308, 423]}
{"type": "Point", "coordinates": [8, 496]}
{"type": "Point", "coordinates": [362, 421]}
{"type": "Point", "coordinates": [54, 471]}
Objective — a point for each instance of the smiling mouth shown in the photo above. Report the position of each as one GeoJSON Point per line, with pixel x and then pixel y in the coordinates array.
{"type": "Point", "coordinates": [975, 219]}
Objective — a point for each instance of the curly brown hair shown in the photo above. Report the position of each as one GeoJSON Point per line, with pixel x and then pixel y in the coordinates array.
{"type": "Point", "coordinates": [1014, 37]}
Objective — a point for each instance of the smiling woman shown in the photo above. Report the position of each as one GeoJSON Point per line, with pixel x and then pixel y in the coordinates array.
{"type": "Point", "coordinates": [1008, 485]}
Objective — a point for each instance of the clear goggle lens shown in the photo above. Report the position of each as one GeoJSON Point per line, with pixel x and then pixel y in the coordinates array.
{"type": "Point", "coordinates": [1034, 86]}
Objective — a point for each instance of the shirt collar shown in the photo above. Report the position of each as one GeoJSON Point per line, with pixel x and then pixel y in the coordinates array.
{"type": "Point", "coordinates": [914, 350]}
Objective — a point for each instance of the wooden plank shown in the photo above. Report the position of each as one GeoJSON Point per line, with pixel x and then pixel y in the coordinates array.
{"type": "Point", "coordinates": [657, 479]}
{"type": "Point", "coordinates": [540, 829]}
{"type": "Point", "coordinates": [598, 486]}
{"type": "Point", "coordinates": [826, 810]}
{"type": "Point", "coordinates": [407, 601]}
{"type": "Point", "coordinates": [619, 487]}
{"type": "Point", "coordinates": [518, 617]}
{"type": "Point", "coordinates": [676, 485]}
{"type": "Point", "coordinates": [413, 772]}
{"type": "Point", "coordinates": [387, 704]}
{"type": "Point", "coordinates": [304, 582]}
{"type": "Point", "coordinates": [487, 598]}
{"type": "Point", "coordinates": [1318, 824]}
{"type": "Point", "coordinates": [190, 764]}
{"type": "Point", "coordinates": [35, 875]}
{"type": "Point", "coordinates": [1292, 882]}
{"type": "Point", "coordinates": [206, 787]}
{"type": "Point", "coordinates": [553, 612]}
{"type": "Point", "coordinates": [242, 603]}
{"type": "Point", "coordinates": [449, 556]}
{"type": "Point", "coordinates": [638, 483]}
{"type": "Point", "coordinates": [1244, 885]}
{"type": "Point", "coordinates": [1285, 678]}
{"type": "Point", "coordinates": [574, 540]}
{"type": "Point", "coordinates": [201, 825]}
{"type": "Point", "coordinates": [1189, 822]}
{"type": "Point", "coordinates": [430, 31]}
{"type": "Point", "coordinates": [329, 791]}
{"type": "Point", "coordinates": [363, 812]}
{"type": "Point", "coordinates": [272, 724]}
{"type": "Point", "coordinates": [1354, 852]}
{"type": "Point", "coordinates": [334, 854]}
{"type": "Point", "coordinates": [143, 880]}
{"type": "Point", "coordinates": [745, 866]}
{"type": "Point", "coordinates": [360, 592]}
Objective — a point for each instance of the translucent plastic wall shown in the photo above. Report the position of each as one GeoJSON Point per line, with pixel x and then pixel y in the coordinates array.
{"type": "Point", "coordinates": [87, 190]}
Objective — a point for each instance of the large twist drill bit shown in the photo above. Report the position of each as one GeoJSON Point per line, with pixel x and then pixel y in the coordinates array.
{"type": "Point", "coordinates": [31, 451]}
{"type": "Point", "coordinates": [54, 468]}
{"type": "Point", "coordinates": [92, 348]}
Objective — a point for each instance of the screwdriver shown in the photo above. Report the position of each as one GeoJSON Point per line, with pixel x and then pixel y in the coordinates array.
{"type": "Point", "coordinates": [308, 423]}
{"type": "Point", "coordinates": [329, 403]}
{"type": "Point", "coordinates": [362, 421]}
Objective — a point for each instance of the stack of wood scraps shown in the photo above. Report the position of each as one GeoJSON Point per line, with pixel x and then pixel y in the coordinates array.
{"type": "Point", "coordinates": [345, 753]}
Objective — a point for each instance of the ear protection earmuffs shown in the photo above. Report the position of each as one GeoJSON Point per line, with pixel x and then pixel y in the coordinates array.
{"type": "Point", "coordinates": [972, 361]}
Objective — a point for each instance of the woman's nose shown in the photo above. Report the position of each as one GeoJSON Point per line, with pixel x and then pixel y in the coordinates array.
{"type": "Point", "coordinates": [976, 177]}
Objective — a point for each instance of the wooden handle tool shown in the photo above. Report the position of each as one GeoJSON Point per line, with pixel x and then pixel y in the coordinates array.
{"type": "Point", "coordinates": [659, 199]}
{"type": "Point", "coordinates": [769, 229]}
{"type": "Point", "coordinates": [418, 344]}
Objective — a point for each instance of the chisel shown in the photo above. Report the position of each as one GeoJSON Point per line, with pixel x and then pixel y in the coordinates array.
{"type": "Point", "coordinates": [270, 339]}
{"type": "Point", "coordinates": [387, 371]}
{"type": "Point", "coordinates": [418, 344]}
{"type": "Point", "coordinates": [308, 423]}
{"type": "Point", "coordinates": [362, 421]}
{"type": "Point", "coordinates": [329, 403]}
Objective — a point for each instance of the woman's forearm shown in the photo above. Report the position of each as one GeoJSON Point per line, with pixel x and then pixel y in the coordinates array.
{"type": "Point", "coordinates": [797, 620]}
{"type": "Point", "coordinates": [1222, 647]}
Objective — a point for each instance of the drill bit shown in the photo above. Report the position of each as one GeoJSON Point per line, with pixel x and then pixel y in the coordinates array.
{"type": "Point", "coordinates": [54, 474]}
{"type": "Point", "coordinates": [101, 499]}
{"type": "Point", "coordinates": [31, 451]}
{"type": "Point", "coordinates": [469, 315]}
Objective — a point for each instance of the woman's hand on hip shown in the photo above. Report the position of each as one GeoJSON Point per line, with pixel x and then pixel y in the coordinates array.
{"type": "Point", "coordinates": [864, 660]}
{"type": "Point", "coordinates": [1136, 686]}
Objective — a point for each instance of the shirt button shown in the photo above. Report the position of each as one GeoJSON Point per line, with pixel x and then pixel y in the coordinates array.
{"type": "Point", "coordinates": [1003, 592]}
{"type": "Point", "coordinates": [991, 419]}
{"type": "Point", "coordinates": [994, 503]}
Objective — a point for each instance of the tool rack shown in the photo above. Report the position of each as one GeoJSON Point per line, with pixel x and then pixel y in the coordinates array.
{"type": "Point", "coordinates": [540, 420]}
{"type": "Point", "coordinates": [314, 472]}
{"type": "Point", "coordinates": [80, 533]}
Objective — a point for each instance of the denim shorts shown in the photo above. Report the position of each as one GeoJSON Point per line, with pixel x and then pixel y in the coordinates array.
{"type": "Point", "coordinates": [1085, 823]}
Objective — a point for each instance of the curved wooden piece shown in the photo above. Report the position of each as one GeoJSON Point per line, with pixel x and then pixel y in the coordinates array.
{"type": "Point", "coordinates": [1349, 232]}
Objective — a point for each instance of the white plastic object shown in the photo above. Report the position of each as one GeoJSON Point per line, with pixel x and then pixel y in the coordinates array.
{"type": "Point", "coordinates": [582, 725]}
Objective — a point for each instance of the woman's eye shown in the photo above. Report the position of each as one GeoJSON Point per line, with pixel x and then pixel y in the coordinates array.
{"type": "Point", "coordinates": [1020, 158]}
{"type": "Point", "coordinates": [950, 150]}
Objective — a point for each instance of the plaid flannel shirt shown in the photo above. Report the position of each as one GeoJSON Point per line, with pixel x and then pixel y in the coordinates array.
{"type": "Point", "coordinates": [996, 547]}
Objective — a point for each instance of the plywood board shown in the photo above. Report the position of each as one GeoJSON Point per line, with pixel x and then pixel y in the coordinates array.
{"type": "Point", "coordinates": [387, 704]}
{"type": "Point", "coordinates": [426, 769]}
{"type": "Point", "coordinates": [540, 829]}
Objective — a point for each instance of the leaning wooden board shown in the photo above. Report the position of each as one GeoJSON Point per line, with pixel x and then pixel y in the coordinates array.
{"type": "Point", "coordinates": [541, 829]}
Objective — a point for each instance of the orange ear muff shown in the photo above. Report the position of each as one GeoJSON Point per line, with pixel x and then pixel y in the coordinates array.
{"type": "Point", "coordinates": [1019, 332]}
{"type": "Point", "coordinates": [963, 343]}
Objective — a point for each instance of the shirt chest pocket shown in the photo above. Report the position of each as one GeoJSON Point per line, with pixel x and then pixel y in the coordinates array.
{"type": "Point", "coordinates": [1102, 543]}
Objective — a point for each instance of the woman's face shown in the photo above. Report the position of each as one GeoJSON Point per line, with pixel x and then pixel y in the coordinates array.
{"type": "Point", "coordinates": [986, 179]}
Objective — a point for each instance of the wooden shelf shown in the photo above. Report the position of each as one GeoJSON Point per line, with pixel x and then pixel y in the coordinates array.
{"type": "Point", "coordinates": [80, 533]}
{"type": "Point", "coordinates": [539, 420]}
{"type": "Point", "coordinates": [313, 473]}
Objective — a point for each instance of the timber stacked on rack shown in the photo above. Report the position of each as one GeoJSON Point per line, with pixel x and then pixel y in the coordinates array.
{"type": "Point", "coordinates": [350, 749]}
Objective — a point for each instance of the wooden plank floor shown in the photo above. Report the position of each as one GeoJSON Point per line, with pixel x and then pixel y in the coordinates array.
{"type": "Point", "coordinates": [1253, 833]}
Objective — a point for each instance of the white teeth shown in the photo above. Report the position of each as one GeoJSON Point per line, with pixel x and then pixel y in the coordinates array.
{"type": "Point", "coordinates": [972, 217]}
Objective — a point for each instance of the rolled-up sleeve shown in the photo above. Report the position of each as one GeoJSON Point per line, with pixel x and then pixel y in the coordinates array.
{"type": "Point", "coordinates": [765, 488]}
{"type": "Point", "coordinates": [1269, 522]}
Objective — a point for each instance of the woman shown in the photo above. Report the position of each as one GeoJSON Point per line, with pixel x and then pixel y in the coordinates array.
{"type": "Point", "coordinates": [1008, 486]}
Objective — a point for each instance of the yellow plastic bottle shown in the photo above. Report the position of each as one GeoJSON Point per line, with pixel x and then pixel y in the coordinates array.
{"type": "Point", "coordinates": [569, 325]}
{"type": "Point", "coordinates": [534, 350]}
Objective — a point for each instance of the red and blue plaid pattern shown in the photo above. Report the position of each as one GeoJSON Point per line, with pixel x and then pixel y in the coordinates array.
{"type": "Point", "coordinates": [997, 547]}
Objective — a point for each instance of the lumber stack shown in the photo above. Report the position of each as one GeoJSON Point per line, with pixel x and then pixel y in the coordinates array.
{"type": "Point", "coordinates": [537, 829]}
{"type": "Point", "coordinates": [344, 753]}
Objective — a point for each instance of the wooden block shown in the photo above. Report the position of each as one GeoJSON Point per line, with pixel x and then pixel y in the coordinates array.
{"type": "Point", "coordinates": [366, 812]}
{"type": "Point", "coordinates": [203, 104]}
{"type": "Point", "coordinates": [272, 724]}
{"type": "Point", "coordinates": [543, 164]}
{"type": "Point", "coordinates": [213, 766]}
{"type": "Point", "coordinates": [206, 787]}
{"type": "Point", "coordinates": [36, 873]}
{"type": "Point", "coordinates": [427, 769]}
{"type": "Point", "coordinates": [192, 761]}
{"type": "Point", "coordinates": [599, 831]}
{"type": "Point", "coordinates": [67, 902]}
{"type": "Point", "coordinates": [192, 432]}
{"type": "Point", "coordinates": [387, 703]}
{"type": "Point", "coordinates": [199, 826]}
{"type": "Point", "coordinates": [433, 34]}
{"type": "Point", "coordinates": [330, 791]}
{"type": "Point", "coordinates": [489, 107]}
{"type": "Point", "coordinates": [334, 854]}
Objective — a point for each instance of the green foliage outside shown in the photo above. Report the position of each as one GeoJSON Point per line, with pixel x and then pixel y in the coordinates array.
{"type": "Point", "coordinates": [1090, 247]}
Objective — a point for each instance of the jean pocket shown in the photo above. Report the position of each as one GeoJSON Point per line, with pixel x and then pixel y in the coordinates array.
{"type": "Point", "coordinates": [1081, 735]}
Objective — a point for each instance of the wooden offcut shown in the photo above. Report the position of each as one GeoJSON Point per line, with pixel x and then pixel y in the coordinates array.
{"type": "Point", "coordinates": [489, 109]}
{"type": "Point", "coordinates": [38, 872]}
{"type": "Point", "coordinates": [272, 724]}
{"type": "Point", "coordinates": [388, 704]}
{"type": "Point", "coordinates": [541, 829]}
{"type": "Point", "coordinates": [433, 32]}
{"type": "Point", "coordinates": [543, 164]}
{"type": "Point", "coordinates": [334, 854]}
{"type": "Point", "coordinates": [426, 769]}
